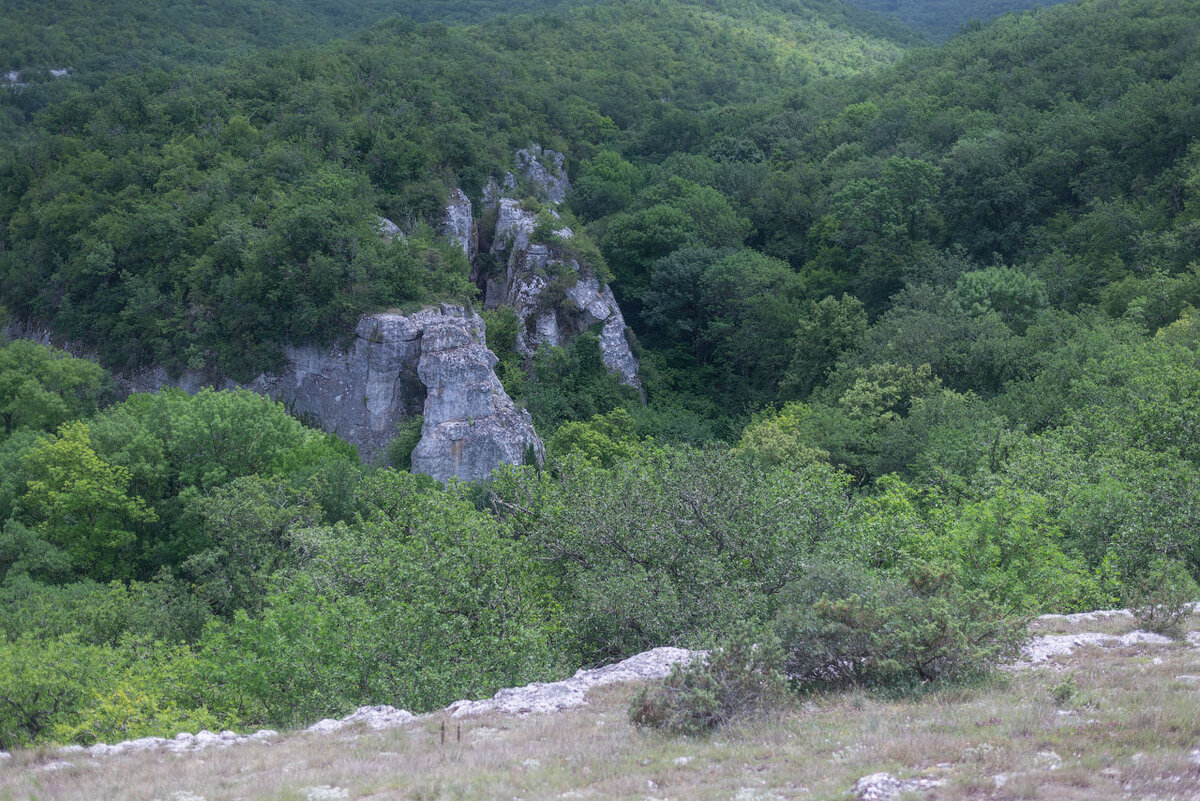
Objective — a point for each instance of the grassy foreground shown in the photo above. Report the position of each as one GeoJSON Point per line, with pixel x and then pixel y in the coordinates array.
{"type": "Point", "coordinates": [1099, 724]}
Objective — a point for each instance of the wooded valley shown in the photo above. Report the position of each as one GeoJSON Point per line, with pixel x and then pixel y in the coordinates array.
{"type": "Point", "coordinates": [916, 318]}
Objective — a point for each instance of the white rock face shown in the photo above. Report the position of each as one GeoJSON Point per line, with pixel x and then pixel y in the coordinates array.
{"type": "Point", "coordinates": [324, 792]}
{"type": "Point", "coordinates": [388, 230]}
{"type": "Point", "coordinates": [544, 171]}
{"type": "Point", "coordinates": [1048, 646]}
{"type": "Point", "coordinates": [1087, 617]}
{"type": "Point", "coordinates": [470, 424]}
{"type": "Point", "coordinates": [181, 743]}
{"type": "Point", "coordinates": [433, 362]}
{"type": "Point", "coordinates": [885, 786]}
{"type": "Point", "coordinates": [376, 718]}
{"type": "Point", "coordinates": [532, 269]}
{"type": "Point", "coordinates": [572, 692]}
{"type": "Point", "coordinates": [458, 224]}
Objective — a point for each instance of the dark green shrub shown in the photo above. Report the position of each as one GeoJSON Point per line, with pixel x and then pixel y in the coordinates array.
{"type": "Point", "coordinates": [895, 631]}
{"type": "Point", "coordinates": [742, 678]}
{"type": "Point", "coordinates": [408, 434]}
{"type": "Point", "coordinates": [1161, 598]}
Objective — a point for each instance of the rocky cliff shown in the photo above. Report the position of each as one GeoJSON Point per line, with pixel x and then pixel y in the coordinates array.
{"type": "Point", "coordinates": [433, 363]}
{"type": "Point", "coordinates": [555, 297]}
{"type": "Point", "coordinates": [470, 424]}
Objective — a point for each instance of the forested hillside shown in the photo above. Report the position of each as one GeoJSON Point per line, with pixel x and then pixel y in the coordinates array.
{"type": "Point", "coordinates": [940, 19]}
{"type": "Point", "coordinates": [154, 168]}
{"type": "Point", "coordinates": [918, 334]}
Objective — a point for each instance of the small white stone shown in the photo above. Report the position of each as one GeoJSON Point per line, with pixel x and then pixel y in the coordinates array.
{"type": "Point", "coordinates": [326, 726]}
{"type": "Point", "coordinates": [324, 793]}
{"type": "Point", "coordinates": [185, 795]}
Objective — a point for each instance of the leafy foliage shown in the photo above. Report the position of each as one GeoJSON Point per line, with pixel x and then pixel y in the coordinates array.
{"type": "Point", "coordinates": [739, 679]}
{"type": "Point", "coordinates": [673, 544]}
{"type": "Point", "coordinates": [420, 601]}
{"type": "Point", "coordinates": [895, 631]}
{"type": "Point", "coordinates": [1161, 598]}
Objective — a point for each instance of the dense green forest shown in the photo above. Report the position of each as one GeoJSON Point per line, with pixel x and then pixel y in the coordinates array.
{"type": "Point", "coordinates": [918, 331]}
{"type": "Point", "coordinates": [940, 19]}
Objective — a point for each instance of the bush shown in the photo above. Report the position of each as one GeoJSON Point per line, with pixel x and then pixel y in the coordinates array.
{"type": "Point", "coordinates": [45, 685]}
{"type": "Point", "coordinates": [742, 678]}
{"type": "Point", "coordinates": [1161, 598]}
{"type": "Point", "coordinates": [420, 601]}
{"type": "Point", "coordinates": [898, 631]}
{"type": "Point", "coordinates": [63, 689]}
{"type": "Point", "coordinates": [674, 545]}
{"type": "Point", "coordinates": [408, 434]}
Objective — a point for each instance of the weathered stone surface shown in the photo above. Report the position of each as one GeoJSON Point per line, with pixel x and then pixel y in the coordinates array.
{"type": "Point", "coordinates": [544, 171]}
{"type": "Point", "coordinates": [376, 718]}
{"type": "Point", "coordinates": [388, 230]}
{"type": "Point", "coordinates": [886, 787]}
{"type": "Point", "coordinates": [530, 269]}
{"type": "Point", "coordinates": [458, 224]}
{"type": "Point", "coordinates": [362, 390]}
{"type": "Point", "coordinates": [1040, 649]}
{"type": "Point", "coordinates": [470, 425]}
{"type": "Point", "coordinates": [554, 696]}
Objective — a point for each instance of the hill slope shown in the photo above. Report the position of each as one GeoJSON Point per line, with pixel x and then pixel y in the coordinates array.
{"type": "Point", "coordinates": [388, 120]}
{"type": "Point", "coordinates": [940, 19]}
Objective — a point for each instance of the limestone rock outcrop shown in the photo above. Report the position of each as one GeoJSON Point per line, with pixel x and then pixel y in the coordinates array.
{"type": "Point", "coordinates": [470, 424]}
{"type": "Point", "coordinates": [458, 224]}
{"type": "Point", "coordinates": [433, 363]}
{"type": "Point", "coordinates": [554, 296]}
{"type": "Point", "coordinates": [544, 170]}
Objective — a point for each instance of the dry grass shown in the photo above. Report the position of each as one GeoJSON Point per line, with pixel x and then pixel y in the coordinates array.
{"type": "Point", "coordinates": [1127, 732]}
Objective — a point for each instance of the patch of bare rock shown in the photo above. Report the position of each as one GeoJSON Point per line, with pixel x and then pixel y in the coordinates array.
{"type": "Point", "coordinates": [885, 787]}
{"type": "Point", "coordinates": [554, 696]}
{"type": "Point", "coordinates": [376, 718]}
{"type": "Point", "coordinates": [1047, 646]}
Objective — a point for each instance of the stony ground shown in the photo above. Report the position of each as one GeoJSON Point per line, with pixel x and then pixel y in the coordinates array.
{"type": "Point", "coordinates": [1101, 717]}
